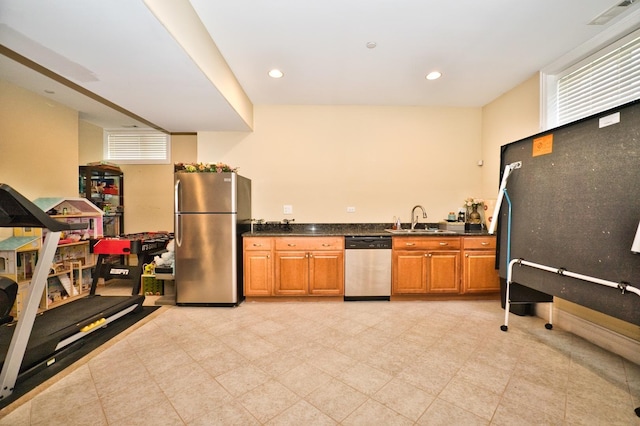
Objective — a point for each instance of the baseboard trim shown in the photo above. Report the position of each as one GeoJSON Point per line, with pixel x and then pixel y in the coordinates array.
{"type": "Point", "coordinates": [596, 334]}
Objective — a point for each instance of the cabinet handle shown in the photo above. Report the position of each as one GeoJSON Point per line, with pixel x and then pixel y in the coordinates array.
{"type": "Point", "coordinates": [257, 245]}
{"type": "Point", "coordinates": [428, 255]}
{"type": "Point", "coordinates": [326, 245]}
{"type": "Point", "coordinates": [310, 255]}
{"type": "Point", "coordinates": [466, 255]}
{"type": "Point", "coordinates": [442, 243]}
{"type": "Point", "coordinates": [409, 244]}
{"type": "Point", "coordinates": [484, 243]}
{"type": "Point", "coordinates": [291, 245]}
{"type": "Point", "coordinates": [268, 256]}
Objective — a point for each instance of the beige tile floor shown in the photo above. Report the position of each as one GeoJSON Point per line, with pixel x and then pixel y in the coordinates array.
{"type": "Point", "coordinates": [328, 363]}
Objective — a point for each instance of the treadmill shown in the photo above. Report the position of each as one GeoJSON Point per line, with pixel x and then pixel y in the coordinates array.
{"type": "Point", "coordinates": [35, 341]}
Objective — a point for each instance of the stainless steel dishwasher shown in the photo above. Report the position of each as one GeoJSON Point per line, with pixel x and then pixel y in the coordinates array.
{"type": "Point", "coordinates": [367, 268]}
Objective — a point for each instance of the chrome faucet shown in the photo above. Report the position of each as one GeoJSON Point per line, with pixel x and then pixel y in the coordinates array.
{"type": "Point", "coordinates": [414, 219]}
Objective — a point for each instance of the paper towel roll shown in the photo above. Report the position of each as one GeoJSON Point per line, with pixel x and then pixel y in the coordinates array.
{"type": "Point", "coordinates": [635, 247]}
{"type": "Point", "coordinates": [489, 206]}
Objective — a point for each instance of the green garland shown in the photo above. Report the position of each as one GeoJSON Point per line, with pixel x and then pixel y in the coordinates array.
{"type": "Point", "coordinates": [204, 168]}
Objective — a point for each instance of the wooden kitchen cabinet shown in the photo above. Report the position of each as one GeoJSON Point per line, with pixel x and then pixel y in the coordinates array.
{"type": "Point", "coordinates": [409, 272]}
{"type": "Point", "coordinates": [291, 273]}
{"type": "Point", "coordinates": [309, 266]}
{"type": "Point", "coordinates": [293, 266]}
{"type": "Point", "coordinates": [258, 266]}
{"type": "Point", "coordinates": [426, 265]}
{"type": "Point", "coordinates": [444, 271]}
{"type": "Point", "coordinates": [422, 265]}
{"type": "Point", "coordinates": [479, 274]}
{"type": "Point", "coordinates": [326, 273]}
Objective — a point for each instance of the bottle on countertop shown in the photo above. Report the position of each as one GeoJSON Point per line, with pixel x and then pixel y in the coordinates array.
{"type": "Point", "coordinates": [399, 224]}
{"type": "Point", "coordinates": [451, 217]}
{"type": "Point", "coordinates": [461, 215]}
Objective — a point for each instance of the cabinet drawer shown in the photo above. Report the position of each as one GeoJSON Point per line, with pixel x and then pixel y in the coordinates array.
{"type": "Point", "coordinates": [258, 243]}
{"type": "Point", "coordinates": [426, 243]}
{"type": "Point", "coordinates": [309, 243]}
{"type": "Point", "coordinates": [471, 243]}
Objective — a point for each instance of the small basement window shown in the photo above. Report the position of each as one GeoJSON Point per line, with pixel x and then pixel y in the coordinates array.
{"type": "Point", "coordinates": [604, 80]}
{"type": "Point", "coordinates": [137, 147]}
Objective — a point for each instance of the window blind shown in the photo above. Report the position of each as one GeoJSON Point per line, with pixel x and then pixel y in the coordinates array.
{"type": "Point", "coordinates": [610, 79]}
{"type": "Point", "coordinates": [141, 147]}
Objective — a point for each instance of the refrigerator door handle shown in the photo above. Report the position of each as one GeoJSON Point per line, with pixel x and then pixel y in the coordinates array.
{"type": "Point", "coordinates": [176, 196]}
{"type": "Point", "coordinates": [178, 231]}
{"type": "Point", "coordinates": [178, 222]}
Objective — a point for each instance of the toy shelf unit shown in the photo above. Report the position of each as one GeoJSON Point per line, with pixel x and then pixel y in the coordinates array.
{"type": "Point", "coordinates": [70, 274]}
{"type": "Point", "coordinates": [71, 270]}
{"type": "Point", "coordinates": [18, 258]}
{"type": "Point", "coordinates": [74, 210]}
{"type": "Point", "coordinates": [103, 185]}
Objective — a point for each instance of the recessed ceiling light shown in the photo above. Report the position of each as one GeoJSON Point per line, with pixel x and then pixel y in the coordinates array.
{"type": "Point", "coordinates": [275, 73]}
{"type": "Point", "coordinates": [371, 44]}
{"type": "Point", "coordinates": [434, 75]}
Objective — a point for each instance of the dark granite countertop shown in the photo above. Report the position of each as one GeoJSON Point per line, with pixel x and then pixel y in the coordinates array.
{"type": "Point", "coordinates": [342, 229]}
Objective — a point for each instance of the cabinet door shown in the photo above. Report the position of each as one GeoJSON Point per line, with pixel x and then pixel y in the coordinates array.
{"type": "Point", "coordinates": [258, 273]}
{"type": "Point", "coordinates": [292, 273]}
{"type": "Point", "coordinates": [479, 272]}
{"type": "Point", "coordinates": [326, 273]}
{"type": "Point", "coordinates": [409, 272]}
{"type": "Point", "coordinates": [443, 274]}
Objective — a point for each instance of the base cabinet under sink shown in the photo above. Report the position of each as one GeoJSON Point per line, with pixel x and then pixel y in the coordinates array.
{"type": "Point", "coordinates": [444, 265]}
{"type": "Point", "coordinates": [426, 265]}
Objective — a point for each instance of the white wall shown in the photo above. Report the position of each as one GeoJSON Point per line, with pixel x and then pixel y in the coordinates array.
{"type": "Point", "coordinates": [513, 116]}
{"type": "Point", "coordinates": [38, 144]}
{"type": "Point", "coordinates": [380, 160]}
{"type": "Point", "coordinates": [148, 194]}
{"type": "Point", "coordinates": [149, 189]}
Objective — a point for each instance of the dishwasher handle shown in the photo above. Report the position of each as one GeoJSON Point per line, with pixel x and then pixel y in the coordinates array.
{"type": "Point", "coordinates": [367, 242]}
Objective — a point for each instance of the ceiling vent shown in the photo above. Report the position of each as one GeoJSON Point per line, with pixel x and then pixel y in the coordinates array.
{"type": "Point", "coordinates": [612, 12]}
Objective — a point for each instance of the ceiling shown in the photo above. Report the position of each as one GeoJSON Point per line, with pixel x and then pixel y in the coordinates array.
{"type": "Point", "coordinates": [154, 69]}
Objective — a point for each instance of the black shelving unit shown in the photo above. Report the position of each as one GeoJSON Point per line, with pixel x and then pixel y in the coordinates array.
{"type": "Point", "coordinates": [103, 185]}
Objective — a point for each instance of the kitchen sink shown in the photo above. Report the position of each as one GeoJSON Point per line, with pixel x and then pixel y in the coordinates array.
{"type": "Point", "coordinates": [421, 231]}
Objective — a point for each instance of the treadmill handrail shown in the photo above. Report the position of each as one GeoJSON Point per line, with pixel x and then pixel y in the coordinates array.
{"type": "Point", "coordinates": [17, 211]}
{"type": "Point", "coordinates": [31, 215]}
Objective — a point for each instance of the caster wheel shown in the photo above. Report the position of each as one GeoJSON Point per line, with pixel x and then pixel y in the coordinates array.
{"type": "Point", "coordinates": [504, 328]}
{"type": "Point", "coordinates": [548, 326]}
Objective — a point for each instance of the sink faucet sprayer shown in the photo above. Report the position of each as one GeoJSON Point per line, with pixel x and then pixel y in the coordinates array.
{"type": "Point", "coordinates": [414, 219]}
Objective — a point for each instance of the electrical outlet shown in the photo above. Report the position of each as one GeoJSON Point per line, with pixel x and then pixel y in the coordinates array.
{"type": "Point", "coordinates": [287, 209]}
{"type": "Point", "coordinates": [351, 209]}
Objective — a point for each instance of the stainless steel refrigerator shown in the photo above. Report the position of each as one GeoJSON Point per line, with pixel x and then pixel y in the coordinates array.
{"type": "Point", "coordinates": [211, 212]}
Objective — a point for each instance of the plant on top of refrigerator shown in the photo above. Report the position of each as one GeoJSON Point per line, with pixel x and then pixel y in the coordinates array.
{"type": "Point", "coordinates": [204, 168]}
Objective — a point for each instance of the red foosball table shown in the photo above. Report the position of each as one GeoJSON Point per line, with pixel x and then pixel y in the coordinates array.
{"type": "Point", "coordinates": [145, 245]}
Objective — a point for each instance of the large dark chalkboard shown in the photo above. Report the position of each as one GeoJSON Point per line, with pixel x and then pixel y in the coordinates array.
{"type": "Point", "coordinates": [576, 205]}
